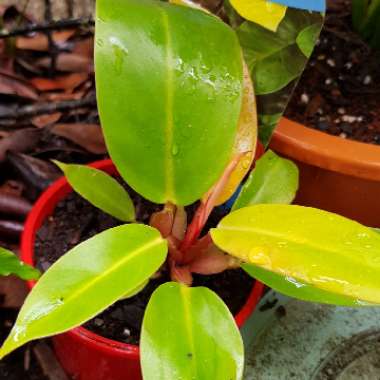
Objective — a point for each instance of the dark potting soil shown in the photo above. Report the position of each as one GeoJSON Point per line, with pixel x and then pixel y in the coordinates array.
{"type": "Point", "coordinates": [339, 92]}
{"type": "Point", "coordinates": [20, 365]}
{"type": "Point", "coordinates": [75, 220]}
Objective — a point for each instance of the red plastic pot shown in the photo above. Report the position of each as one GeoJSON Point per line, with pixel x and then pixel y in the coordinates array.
{"type": "Point", "coordinates": [337, 175]}
{"type": "Point", "coordinates": [83, 354]}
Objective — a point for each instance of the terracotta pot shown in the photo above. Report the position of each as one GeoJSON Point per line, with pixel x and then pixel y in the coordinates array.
{"type": "Point", "coordinates": [83, 354]}
{"type": "Point", "coordinates": [336, 174]}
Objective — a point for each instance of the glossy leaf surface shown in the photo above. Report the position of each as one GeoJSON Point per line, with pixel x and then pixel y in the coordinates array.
{"type": "Point", "coordinates": [312, 246]}
{"type": "Point", "coordinates": [301, 290]}
{"type": "Point", "coordinates": [10, 264]}
{"type": "Point", "coordinates": [188, 3]}
{"type": "Point", "coordinates": [263, 12]}
{"type": "Point", "coordinates": [189, 333]}
{"type": "Point", "coordinates": [100, 189]}
{"type": "Point", "coordinates": [274, 180]}
{"type": "Point", "coordinates": [307, 38]}
{"type": "Point", "coordinates": [169, 96]}
{"type": "Point", "coordinates": [276, 61]}
{"type": "Point", "coordinates": [87, 280]}
{"type": "Point", "coordinates": [245, 141]}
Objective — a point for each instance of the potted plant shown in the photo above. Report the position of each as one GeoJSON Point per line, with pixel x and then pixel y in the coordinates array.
{"type": "Point", "coordinates": [179, 130]}
{"type": "Point", "coordinates": [332, 124]}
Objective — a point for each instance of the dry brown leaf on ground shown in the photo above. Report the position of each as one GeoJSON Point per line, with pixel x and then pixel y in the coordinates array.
{"type": "Point", "coordinates": [44, 120]}
{"type": "Point", "coordinates": [84, 47]}
{"type": "Point", "coordinates": [48, 361]}
{"type": "Point", "coordinates": [14, 291]}
{"type": "Point", "coordinates": [64, 82]}
{"type": "Point", "coordinates": [12, 187]}
{"type": "Point", "coordinates": [69, 62]}
{"type": "Point", "coordinates": [61, 96]}
{"type": "Point", "coordinates": [36, 172]}
{"type": "Point", "coordinates": [88, 136]}
{"type": "Point", "coordinates": [22, 140]}
{"type": "Point", "coordinates": [11, 84]}
{"type": "Point", "coordinates": [40, 42]}
{"type": "Point", "coordinates": [14, 205]}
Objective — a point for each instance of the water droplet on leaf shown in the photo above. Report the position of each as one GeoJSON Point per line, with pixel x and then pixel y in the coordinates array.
{"type": "Point", "coordinates": [120, 51]}
{"type": "Point", "coordinates": [175, 150]}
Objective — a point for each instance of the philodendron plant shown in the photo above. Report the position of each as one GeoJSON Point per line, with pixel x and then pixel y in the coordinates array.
{"type": "Point", "coordinates": [177, 108]}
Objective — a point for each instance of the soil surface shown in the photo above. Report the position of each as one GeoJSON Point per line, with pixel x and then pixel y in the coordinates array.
{"type": "Point", "coordinates": [75, 220]}
{"type": "Point", "coordinates": [19, 365]}
{"type": "Point", "coordinates": [339, 92]}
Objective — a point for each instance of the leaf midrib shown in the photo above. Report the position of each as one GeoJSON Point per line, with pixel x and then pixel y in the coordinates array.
{"type": "Point", "coordinates": [185, 295]}
{"type": "Point", "coordinates": [169, 83]}
{"type": "Point", "coordinates": [286, 238]}
{"type": "Point", "coordinates": [107, 273]}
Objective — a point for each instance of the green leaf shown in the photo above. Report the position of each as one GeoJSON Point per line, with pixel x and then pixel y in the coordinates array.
{"type": "Point", "coordinates": [266, 13]}
{"type": "Point", "coordinates": [135, 291]}
{"type": "Point", "coordinates": [169, 96]}
{"type": "Point", "coordinates": [301, 290]}
{"type": "Point", "coordinates": [312, 246]}
{"type": "Point", "coordinates": [275, 72]}
{"type": "Point", "coordinates": [189, 333]}
{"type": "Point", "coordinates": [359, 12]}
{"type": "Point", "coordinates": [274, 180]}
{"type": "Point", "coordinates": [10, 264]}
{"type": "Point", "coordinates": [87, 280]}
{"type": "Point", "coordinates": [307, 38]}
{"type": "Point", "coordinates": [276, 63]}
{"type": "Point", "coordinates": [100, 189]}
{"type": "Point", "coordinates": [267, 124]}
{"type": "Point", "coordinates": [274, 58]}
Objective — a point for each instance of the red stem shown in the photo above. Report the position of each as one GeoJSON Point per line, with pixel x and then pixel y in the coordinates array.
{"type": "Point", "coordinates": [208, 203]}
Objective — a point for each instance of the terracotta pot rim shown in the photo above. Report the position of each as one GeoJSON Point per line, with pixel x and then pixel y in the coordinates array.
{"type": "Point", "coordinates": [329, 152]}
{"type": "Point", "coordinates": [49, 198]}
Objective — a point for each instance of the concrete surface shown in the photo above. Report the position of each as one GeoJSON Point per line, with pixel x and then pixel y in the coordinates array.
{"type": "Point", "coordinates": [313, 342]}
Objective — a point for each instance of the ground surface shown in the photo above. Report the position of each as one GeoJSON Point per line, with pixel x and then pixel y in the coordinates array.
{"type": "Point", "coordinates": [314, 342]}
{"type": "Point", "coordinates": [60, 7]}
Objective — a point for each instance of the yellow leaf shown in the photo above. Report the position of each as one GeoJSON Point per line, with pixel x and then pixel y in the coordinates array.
{"type": "Point", "coordinates": [246, 139]}
{"type": "Point", "coordinates": [262, 12]}
{"type": "Point", "coordinates": [307, 246]}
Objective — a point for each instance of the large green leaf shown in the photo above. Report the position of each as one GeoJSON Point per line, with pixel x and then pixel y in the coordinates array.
{"type": "Point", "coordinates": [312, 246]}
{"type": "Point", "coordinates": [10, 264]}
{"type": "Point", "coordinates": [169, 87]}
{"type": "Point", "coordinates": [301, 290]}
{"type": "Point", "coordinates": [274, 180]}
{"type": "Point", "coordinates": [100, 189]}
{"type": "Point", "coordinates": [86, 280]}
{"type": "Point", "coordinates": [188, 334]}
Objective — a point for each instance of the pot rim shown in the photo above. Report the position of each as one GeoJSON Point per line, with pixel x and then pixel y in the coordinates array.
{"type": "Point", "coordinates": [44, 206]}
{"type": "Point", "coordinates": [326, 151]}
